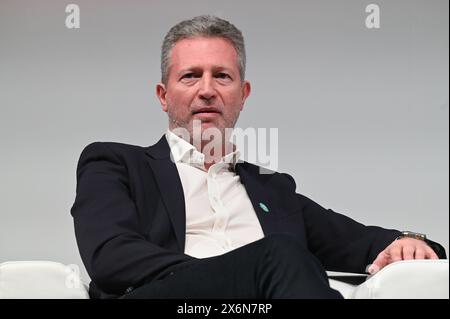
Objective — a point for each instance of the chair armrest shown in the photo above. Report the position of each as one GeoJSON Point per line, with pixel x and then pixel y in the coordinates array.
{"type": "Point", "coordinates": [407, 279]}
{"type": "Point", "coordinates": [40, 280]}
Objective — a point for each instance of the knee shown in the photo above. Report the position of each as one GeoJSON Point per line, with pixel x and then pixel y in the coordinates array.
{"type": "Point", "coordinates": [287, 259]}
{"type": "Point", "coordinates": [289, 249]}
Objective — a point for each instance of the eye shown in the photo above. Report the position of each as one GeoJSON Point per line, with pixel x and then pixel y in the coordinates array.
{"type": "Point", "coordinates": [223, 75]}
{"type": "Point", "coordinates": [187, 76]}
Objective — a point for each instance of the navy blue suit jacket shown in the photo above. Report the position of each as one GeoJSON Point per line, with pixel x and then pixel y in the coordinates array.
{"type": "Point", "coordinates": [129, 216]}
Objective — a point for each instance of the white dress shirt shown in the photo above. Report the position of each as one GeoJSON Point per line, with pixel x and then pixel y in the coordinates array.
{"type": "Point", "coordinates": [219, 214]}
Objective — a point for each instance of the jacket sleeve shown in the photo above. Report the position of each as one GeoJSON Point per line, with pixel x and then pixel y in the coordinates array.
{"type": "Point", "coordinates": [110, 239]}
{"type": "Point", "coordinates": [341, 243]}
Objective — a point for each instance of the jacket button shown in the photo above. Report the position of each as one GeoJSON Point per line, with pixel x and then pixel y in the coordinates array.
{"type": "Point", "coordinates": [129, 289]}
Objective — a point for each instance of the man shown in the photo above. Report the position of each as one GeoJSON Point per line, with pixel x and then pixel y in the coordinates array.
{"type": "Point", "coordinates": [174, 220]}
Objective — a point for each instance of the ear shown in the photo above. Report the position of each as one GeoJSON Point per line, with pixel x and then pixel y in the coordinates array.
{"type": "Point", "coordinates": [161, 93]}
{"type": "Point", "coordinates": [246, 89]}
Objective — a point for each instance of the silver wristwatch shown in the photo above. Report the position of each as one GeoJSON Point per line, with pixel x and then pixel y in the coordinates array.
{"type": "Point", "coordinates": [411, 234]}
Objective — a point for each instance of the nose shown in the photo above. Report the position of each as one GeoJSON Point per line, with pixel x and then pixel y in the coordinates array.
{"type": "Point", "coordinates": [206, 89]}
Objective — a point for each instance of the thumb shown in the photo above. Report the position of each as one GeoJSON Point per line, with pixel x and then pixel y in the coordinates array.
{"type": "Point", "coordinates": [378, 263]}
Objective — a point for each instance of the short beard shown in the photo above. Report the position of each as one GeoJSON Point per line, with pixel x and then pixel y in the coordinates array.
{"type": "Point", "coordinates": [188, 125]}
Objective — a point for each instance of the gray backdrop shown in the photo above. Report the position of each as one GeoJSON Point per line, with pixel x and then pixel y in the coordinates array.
{"type": "Point", "coordinates": [362, 113]}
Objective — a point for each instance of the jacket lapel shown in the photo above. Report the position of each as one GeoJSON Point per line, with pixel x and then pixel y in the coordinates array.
{"type": "Point", "coordinates": [169, 183]}
{"type": "Point", "coordinates": [259, 195]}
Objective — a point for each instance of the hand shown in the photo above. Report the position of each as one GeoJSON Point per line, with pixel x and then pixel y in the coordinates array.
{"type": "Point", "coordinates": [402, 249]}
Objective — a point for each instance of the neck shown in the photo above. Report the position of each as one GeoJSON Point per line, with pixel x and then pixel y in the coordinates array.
{"type": "Point", "coordinates": [213, 147]}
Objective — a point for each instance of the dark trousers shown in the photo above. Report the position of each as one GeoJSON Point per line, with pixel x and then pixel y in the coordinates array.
{"type": "Point", "coordinates": [277, 266]}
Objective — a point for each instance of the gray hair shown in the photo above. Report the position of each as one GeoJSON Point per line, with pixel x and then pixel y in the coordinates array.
{"type": "Point", "coordinates": [202, 26]}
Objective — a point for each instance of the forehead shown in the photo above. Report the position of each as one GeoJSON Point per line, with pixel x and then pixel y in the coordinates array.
{"type": "Point", "coordinates": [203, 52]}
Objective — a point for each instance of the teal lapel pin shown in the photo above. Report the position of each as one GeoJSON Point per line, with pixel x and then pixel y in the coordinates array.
{"type": "Point", "coordinates": [264, 207]}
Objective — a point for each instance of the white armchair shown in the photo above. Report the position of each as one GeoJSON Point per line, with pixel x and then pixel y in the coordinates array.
{"type": "Point", "coordinates": [401, 280]}
{"type": "Point", "coordinates": [408, 279]}
{"type": "Point", "coordinates": [40, 280]}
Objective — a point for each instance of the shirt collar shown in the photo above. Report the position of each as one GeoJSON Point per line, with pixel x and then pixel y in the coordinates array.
{"type": "Point", "coordinates": [184, 152]}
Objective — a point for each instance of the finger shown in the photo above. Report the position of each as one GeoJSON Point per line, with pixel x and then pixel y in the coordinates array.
{"type": "Point", "coordinates": [430, 254]}
{"type": "Point", "coordinates": [379, 262]}
{"type": "Point", "coordinates": [419, 253]}
{"type": "Point", "coordinates": [408, 252]}
{"type": "Point", "coordinates": [395, 253]}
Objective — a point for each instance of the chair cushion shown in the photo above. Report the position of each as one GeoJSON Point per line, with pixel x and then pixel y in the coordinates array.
{"type": "Point", "coordinates": [345, 289]}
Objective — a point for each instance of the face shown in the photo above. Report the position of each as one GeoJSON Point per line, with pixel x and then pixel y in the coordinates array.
{"type": "Point", "coordinates": [203, 84]}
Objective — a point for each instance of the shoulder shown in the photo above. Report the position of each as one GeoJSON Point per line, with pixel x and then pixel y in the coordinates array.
{"type": "Point", "coordinates": [111, 152]}
{"type": "Point", "coordinates": [112, 148]}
